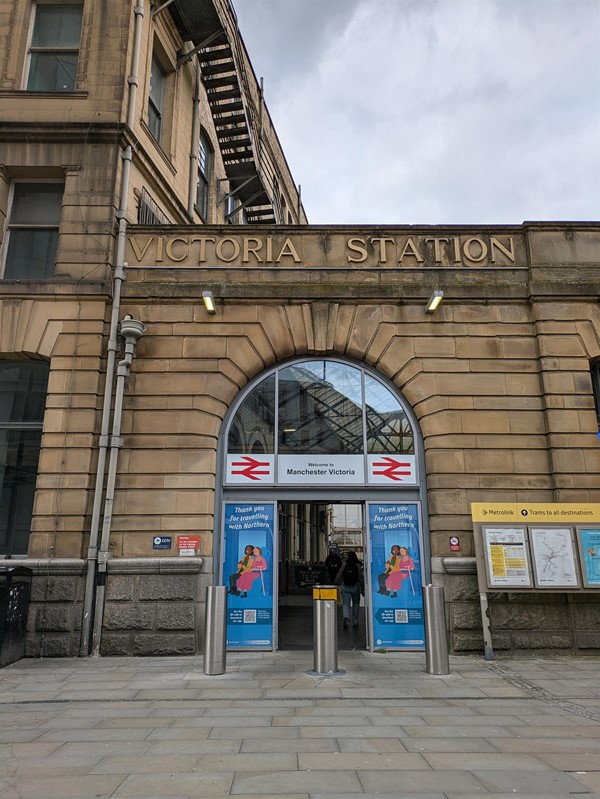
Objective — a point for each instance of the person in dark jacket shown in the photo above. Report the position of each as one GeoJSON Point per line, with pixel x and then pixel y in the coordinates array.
{"type": "Point", "coordinates": [333, 562]}
{"type": "Point", "coordinates": [351, 582]}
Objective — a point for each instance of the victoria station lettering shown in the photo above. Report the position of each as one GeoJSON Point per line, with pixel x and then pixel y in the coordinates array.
{"type": "Point", "coordinates": [194, 250]}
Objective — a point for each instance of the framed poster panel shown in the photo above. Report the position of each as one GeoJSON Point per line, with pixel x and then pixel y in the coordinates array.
{"type": "Point", "coordinates": [589, 555]}
{"type": "Point", "coordinates": [396, 619]}
{"type": "Point", "coordinates": [553, 557]}
{"type": "Point", "coordinates": [506, 557]}
{"type": "Point", "coordinates": [248, 572]}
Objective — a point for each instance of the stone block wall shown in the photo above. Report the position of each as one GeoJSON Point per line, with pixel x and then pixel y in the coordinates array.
{"type": "Point", "coordinates": [55, 607]}
{"type": "Point", "coordinates": [520, 622]}
{"type": "Point", "coordinates": [154, 606]}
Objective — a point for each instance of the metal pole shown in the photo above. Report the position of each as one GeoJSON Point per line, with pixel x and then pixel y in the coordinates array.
{"type": "Point", "coordinates": [325, 637]}
{"type": "Point", "coordinates": [485, 623]}
{"type": "Point", "coordinates": [436, 650]}
{"type": "Point", "coordinates": [215, 630]}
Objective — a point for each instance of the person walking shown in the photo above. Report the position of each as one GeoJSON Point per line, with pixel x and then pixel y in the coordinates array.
{"type": "Point", "coordinates": [350, 579]}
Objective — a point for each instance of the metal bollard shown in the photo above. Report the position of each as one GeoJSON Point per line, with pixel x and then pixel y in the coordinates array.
{"type": "Point", "coordinates": [215, 630]}
{"type": "Point", "coordinates": [436, 649]}
{"type": "Point", "coordinates": [325, 637]}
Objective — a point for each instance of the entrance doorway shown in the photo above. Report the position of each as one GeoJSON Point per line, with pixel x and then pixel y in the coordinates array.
{"type": "Point", "coordinates": [314, 537]}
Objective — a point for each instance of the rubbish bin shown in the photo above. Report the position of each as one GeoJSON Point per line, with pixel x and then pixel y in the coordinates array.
{"type": "Point", "coordinates": [15, 590]}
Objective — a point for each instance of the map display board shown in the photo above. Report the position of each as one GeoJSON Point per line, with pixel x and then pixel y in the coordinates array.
{"type": "Point", "coordinates": [553, 556]}
{"type": "Point", "coordinates": [589, 549]}
{"type": "Point", "coordinates": [506, 557]}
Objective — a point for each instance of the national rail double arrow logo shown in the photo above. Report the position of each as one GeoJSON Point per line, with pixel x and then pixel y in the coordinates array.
{"type": "Point", "coordinates": [250, 467]}
{"type": "Point", "coordinates": [388, 467]}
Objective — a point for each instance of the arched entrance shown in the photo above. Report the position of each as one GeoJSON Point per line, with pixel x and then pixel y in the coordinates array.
{"type": "Point", "coordinates": [316, 456]}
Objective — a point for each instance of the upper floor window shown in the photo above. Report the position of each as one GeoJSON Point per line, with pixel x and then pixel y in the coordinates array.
{"type": "Point", "coordinates": [33, 231]}
{"type": "Point", "coordinates": [205, 160]}
{"type": "Point", "coordinates": [23, 387]}
{"type": "Point", "coordinates": [54, 47]}
{"type": "Point", "coordinates": [149, 212]}
{"type": "Point", "coordinates": [156, 97]}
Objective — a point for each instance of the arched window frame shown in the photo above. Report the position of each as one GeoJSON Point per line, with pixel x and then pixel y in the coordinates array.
{"type": "Point", "coordinates": [365, 372]}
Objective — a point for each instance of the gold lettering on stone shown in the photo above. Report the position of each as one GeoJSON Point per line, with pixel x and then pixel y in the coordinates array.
{"type": "Point", "coordinates": [140, 251]}
{"type": "Point", "coordinates": [456, 243]}
{"type": "Point", "coordinates": [160, 241]}
{"type": "Point", "coordinates": [169, 249]}
{"type": "Point", "coordinates": [496, 245]}
{"type": "Point", "coordinates": [220, 251]}
{"type": "Point", "coordinates": [358, 247]}
{"type": "Point", "coordinates": [288, 250]}
{"type": "Point", "coordinates": [382, 247]}
{"type": "Point", "coordinates": [410, 248]}
{"type": "Point", "coordinates": [468, 249]}
{"type": "Point", "coordinates": [201, 241]}
{"type": "Point", "coordinates": [254, 249]}
{"type": "Point", "coordinates": [437, 250]}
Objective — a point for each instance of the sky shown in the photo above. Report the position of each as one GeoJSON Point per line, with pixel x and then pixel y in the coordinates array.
{"type": "Point", "coordinates": [434, 111]}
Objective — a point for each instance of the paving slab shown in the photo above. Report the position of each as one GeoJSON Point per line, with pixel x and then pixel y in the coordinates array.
{"type": "Point", "coordinates": [159, 727]}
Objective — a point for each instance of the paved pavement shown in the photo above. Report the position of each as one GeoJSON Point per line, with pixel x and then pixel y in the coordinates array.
{"type": "Point", "coordinates": [160, 727]}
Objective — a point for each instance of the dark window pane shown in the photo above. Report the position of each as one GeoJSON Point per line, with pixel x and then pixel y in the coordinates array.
{"type": "Point", "coordinates": [202, 197]}
{"type": "Point", "coordinates": [52, 72]}
{"type": "Point", "coordinates": [320, 409]}
{"type": "Point", "coordinates": [57, 25]}
{"type": "Point", "coordinates": [36, 204]}
{"type": "Point", "coordinates": [19, 455]}
{"type": "Point", "coordinates": [388, 427]}
{"type": "Point", "coordinates": [23, 387]}
{"type": "Point", "coordinates": [252, 429]}
{"type": "Point", "coordinates": [154, 122]}
{"type": "Point", "coordinates": [31, 254]}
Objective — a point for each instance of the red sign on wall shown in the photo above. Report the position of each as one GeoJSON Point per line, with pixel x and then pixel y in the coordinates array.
{"type": "Point", "coordinates": [188, 542]}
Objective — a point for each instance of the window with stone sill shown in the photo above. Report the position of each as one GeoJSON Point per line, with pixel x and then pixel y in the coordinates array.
{"type": "Point", "coordinates": [205, 165]}
{"type": "Point", "coordinates": [156, 98]}
{"type": "Point", "coordinates": [32, 231]}
{"type": "Point", "coordinates": [23, 388]}
{"type": "Point", "coordinates": [54, 47]}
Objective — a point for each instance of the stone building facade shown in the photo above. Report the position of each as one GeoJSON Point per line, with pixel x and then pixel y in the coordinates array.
{"type": "Point", "coordinates": [153, 176]}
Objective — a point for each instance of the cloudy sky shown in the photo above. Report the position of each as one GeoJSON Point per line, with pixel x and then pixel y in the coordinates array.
{"type": "Point", "coordinates": [434, 111]}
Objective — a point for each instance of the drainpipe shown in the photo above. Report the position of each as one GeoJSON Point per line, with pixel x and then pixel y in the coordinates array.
{"type": "Point", "coordinates": [132, 80]}
{"type": "Point", "coordinates": [130, 330]}
{"type": "Point", "coordinates": [118, 278]}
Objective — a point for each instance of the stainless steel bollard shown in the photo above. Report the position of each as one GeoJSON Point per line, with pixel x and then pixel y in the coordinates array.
{"type": "Point", "coordinates": [436, 642]}
{"type": "Point", "coordinates": [325, 635]}
{"type": "Point", "coordinates": [215, 630]}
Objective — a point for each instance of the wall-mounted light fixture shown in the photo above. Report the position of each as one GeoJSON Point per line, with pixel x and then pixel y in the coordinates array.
{"type": "Point", "coordinates": [209, 302]}
{"type": "Point", "coordinates": [433, 302]}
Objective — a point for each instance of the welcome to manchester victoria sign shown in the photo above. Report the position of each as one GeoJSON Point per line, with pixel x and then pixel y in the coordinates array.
{"type": "Point", "coordinates": [196, 246]}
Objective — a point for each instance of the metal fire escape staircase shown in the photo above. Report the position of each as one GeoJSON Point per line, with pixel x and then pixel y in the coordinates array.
{"type": "Point", "coordinates": [212, 27]}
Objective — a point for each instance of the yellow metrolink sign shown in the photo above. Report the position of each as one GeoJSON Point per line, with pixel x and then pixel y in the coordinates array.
{"type": "Point", "coordinates": [527, 513]}
{"type": "Point", "coordinates": [321, 248]}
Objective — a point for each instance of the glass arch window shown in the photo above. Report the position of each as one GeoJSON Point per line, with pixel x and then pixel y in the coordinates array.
{"type": "Point", "coordinates": [320, 407]}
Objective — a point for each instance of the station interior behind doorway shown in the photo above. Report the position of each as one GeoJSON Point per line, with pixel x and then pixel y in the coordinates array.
{"type": "Point", "coordinates": [307, 531]}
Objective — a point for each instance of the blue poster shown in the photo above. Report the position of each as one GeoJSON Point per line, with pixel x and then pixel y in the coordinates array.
{"type": "Point", "coordinates": [396, 583]}
{"type": "Point", "coordinates": [248, 574]}
{"type": "Point", "coordinates": [590, 550]}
